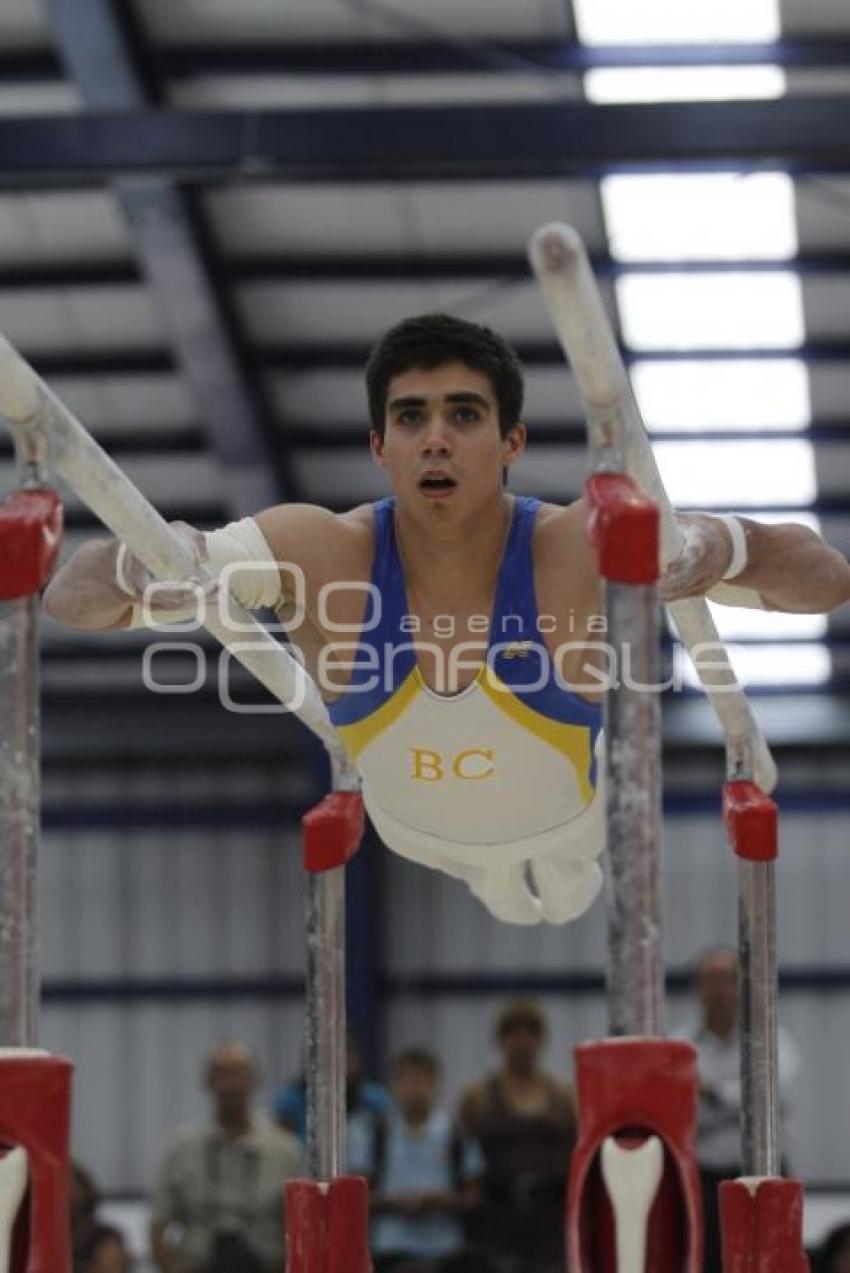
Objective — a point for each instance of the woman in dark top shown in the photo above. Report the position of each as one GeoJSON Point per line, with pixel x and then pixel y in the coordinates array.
{"type": "Point", "coordinates": [524, 1120]}
{"type": "Point", "coordinates": [96, 1247]}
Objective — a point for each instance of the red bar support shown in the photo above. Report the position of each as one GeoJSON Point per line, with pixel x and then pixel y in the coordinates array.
{"type": "Point", "coordinates": [331, 832]}
{"type": "Point", "coordinates": [632, 1088]}
{"type": "Point", "coordinates": [30, 535]}
{"type": "Point", "coordinates": [752, 821]}
{"type": "Point", "coordinates": [327, 1226]}
{"type": "Point", "coordinates": [623, 527]}
{"type": "Point", "coordinates": [35, 1114]}
{"type": "Point", "coordinates": [761, 1226]}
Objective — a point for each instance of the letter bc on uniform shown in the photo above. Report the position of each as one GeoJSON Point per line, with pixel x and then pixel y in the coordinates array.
{"type": "Point", "coordinates": [467, 766]}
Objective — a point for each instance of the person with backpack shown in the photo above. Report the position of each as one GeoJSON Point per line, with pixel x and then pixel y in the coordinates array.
{"type": "Point", "coordinates": [424, 1177]}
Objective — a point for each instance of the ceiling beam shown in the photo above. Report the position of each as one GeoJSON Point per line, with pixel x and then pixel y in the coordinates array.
{"type": "Point", "coordinates": [459, 143]}
{"type": "Point", "coordinates": [311, 355]}
{"type": "Point", "coordinates": [433, 57]}
{"type": "Point", "coordinates": [371, 267]}
{"type": "Point", "coordinates": [480, 56]}
{"type": "Point", "coordinates": [104, 54]}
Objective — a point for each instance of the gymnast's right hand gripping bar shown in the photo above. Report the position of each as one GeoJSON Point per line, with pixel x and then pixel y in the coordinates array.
{"type": "Point", "coordinates": [560, 262]}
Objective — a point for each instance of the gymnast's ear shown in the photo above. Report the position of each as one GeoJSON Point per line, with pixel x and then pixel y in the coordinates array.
{"type": "Point", "coordinates": [376, 448]}
{"type": "Point", "coordinates": [514, 443]}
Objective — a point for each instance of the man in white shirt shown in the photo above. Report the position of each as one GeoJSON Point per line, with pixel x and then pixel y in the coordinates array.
{"type": "Point", "coordinates": [218, 1200]}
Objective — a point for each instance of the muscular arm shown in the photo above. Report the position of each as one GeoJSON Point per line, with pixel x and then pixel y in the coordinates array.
{"type": "Point", "coordinates": [789, 566]}
{"type": "Point", "coordinates": [311, 546]}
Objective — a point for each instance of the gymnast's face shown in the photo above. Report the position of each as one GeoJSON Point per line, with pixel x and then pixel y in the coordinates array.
{"type": "Point", "coordinates": [442, 447]}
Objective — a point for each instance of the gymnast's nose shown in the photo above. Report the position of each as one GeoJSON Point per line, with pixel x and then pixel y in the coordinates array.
{"type": "Point", "coordinates": [436, 437]}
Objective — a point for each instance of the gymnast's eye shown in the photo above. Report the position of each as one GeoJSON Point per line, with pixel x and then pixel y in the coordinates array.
{"type": "Point", "coordinates": [410, 415]}
{"type": "Point", "coordinates": [467, 415]}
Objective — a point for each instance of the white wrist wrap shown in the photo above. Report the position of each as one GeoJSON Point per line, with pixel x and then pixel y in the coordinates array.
{"type": "Point", "coordinates": [738, 535]}
{"type": "Point", "coordinates": [253, 576]}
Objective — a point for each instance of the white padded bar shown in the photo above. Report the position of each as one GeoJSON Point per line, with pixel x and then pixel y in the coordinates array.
{"type": "Point", "coordinates": [560, 262]}
{"type": "Point", "coordinates": [30, 407]}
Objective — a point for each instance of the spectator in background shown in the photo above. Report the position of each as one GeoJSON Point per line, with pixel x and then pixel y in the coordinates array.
{"type": "Point", "coordinates": [218, 1202]}
{"type": "Point", "coordinates": [425, 1176]}
{"type": "Point", "coordinates": [715, 1036]}
{"type": "Point", "coordinates": [834, 1254]}
{"type": "Point", "coordinates": [524, 1121]}
{"type": "Point", "coordinates": [95, 1247]}
{"type": "Point", "coordinates": [366, 1103]}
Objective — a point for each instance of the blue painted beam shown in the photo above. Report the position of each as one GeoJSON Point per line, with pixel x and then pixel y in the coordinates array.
{"type": "Point", "coordinates": [814, 979]}
{"type": "Point", "coordinates": [446, 142]}
{"type": "Point", "coordinates": [507, 269]}
{"type": "Point", "coordinates": [292, 356]}
{"type": "Point", "coordinates": [442, 57]}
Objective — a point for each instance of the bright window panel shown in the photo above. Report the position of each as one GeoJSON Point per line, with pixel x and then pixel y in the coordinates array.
{"type": "Point", "coordinates": [738, 474]}
{"type": "Point", "coordinates": [676, 21]}
{"type": "Point", "coordinates": [781, 665]}
{"type": "Point", "coordinates": [684, 83]}
{"type": "Point", "coordinates": [711, 311]}
{"type": "Point", "coordinates": [700, 217]}
{"type": "Point", "coordinates": [723, 394]}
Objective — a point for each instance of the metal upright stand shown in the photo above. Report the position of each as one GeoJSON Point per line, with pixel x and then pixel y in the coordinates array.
{"type": "Point", "coordinates": [35, 1088]}
{"type": "Point", "coordinates": [328, 1215]}
{"type": "Point", "coordinates": [633, 1201]}
{"type": "Point", "coordinates": [761, 1215]}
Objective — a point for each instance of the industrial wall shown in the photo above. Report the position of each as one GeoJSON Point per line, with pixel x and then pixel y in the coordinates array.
{"type": "Point", "coordinates": [161, 937]}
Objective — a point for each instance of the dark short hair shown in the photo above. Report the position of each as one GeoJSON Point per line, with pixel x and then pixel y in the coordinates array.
{"type": "Point", "coordinates": [522, 1014]}
{"type": "Point", "coordinates": [432, 340]}
{"type": "Point", "coordinates": [415, 1059]}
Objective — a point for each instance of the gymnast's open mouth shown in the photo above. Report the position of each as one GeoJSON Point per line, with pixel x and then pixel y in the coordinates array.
{"type": "Point", "coordinates": [437, 482]}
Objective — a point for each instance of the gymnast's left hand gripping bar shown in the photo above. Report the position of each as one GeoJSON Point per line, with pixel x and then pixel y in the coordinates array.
{"type": "Point", "coordinates": [30, 407]}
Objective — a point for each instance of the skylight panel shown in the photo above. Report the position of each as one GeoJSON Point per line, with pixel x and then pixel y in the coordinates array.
{"type": "Point", "coordinates": [780, 665]}
{"type": "Point", "coordinates": [719, 394]}
{"type": "Point", "coordinates": [676, 21]}
{"type": "Point", "coordinates": [700, 217]}
{"type": "Point", "coordinates": [684, 83]}
{"type": "Point", "coordinates": [711, 311]}
{"type": "Point", "coordinates": [741, 475]}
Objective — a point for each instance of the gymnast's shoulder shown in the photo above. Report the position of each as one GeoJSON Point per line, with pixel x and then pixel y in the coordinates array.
{"type": "Point", "coordinates": [561, 545]}
{"type": "Point", "coordinates": [323, 544]}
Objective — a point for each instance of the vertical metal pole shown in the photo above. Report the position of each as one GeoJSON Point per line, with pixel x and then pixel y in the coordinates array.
{"type": "Point", "coordinates": [758, 1028]}
{"type": "Point", "coordinates": [19, 822]}
{"type": "Point", "coordinates": [633, 784]}
{"type": "Point", "coordinates": [20, 788]}
{"type": "Point", "coordinates": [326, 1027]}
{"type": "Point", "coordinates": [326, 1024]}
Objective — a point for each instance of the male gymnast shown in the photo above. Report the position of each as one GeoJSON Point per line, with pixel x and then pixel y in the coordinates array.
{"type": "Point", "coordinates": [454, 629]}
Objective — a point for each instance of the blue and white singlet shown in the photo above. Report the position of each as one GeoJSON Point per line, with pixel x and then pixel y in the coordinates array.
{"type": "Point", "coordinates": [493, 777]}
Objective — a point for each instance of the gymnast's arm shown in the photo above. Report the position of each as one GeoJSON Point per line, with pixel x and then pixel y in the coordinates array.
{"type": "Point", "coordinates": [100, 589]}
{"type": "Point", "coordinates": [788, 567]}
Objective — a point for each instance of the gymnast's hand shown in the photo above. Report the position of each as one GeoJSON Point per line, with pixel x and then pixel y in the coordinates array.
{"type": "Point", "coordinates": [703, 561]}
{"type": "Point", "coordinates": [166, 597]}
{"type": "Point", "coordinates": [100, 585]}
